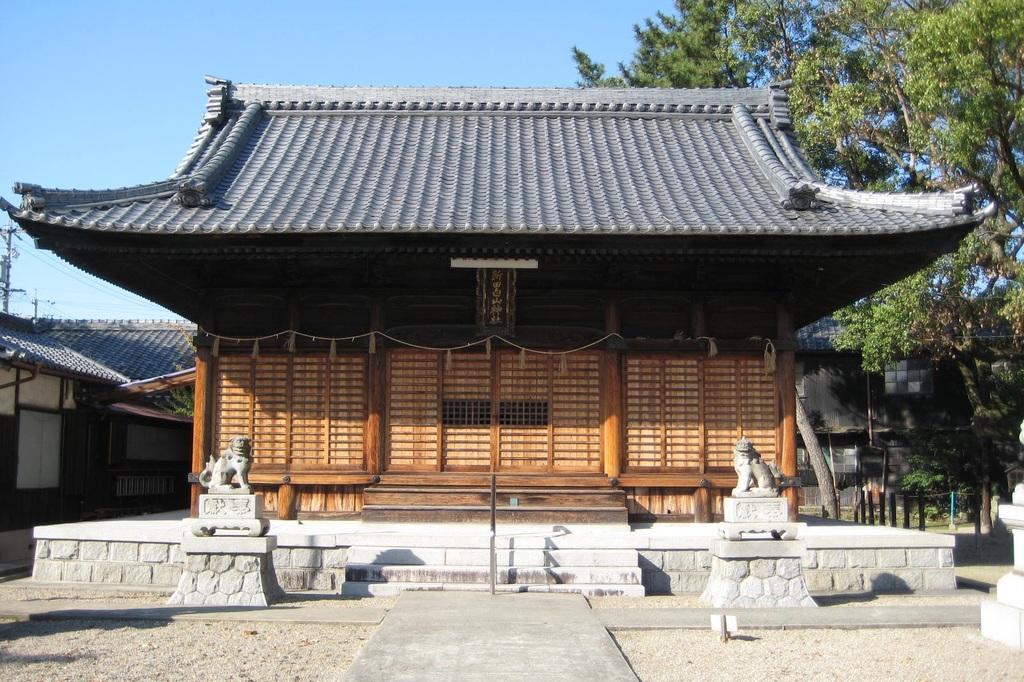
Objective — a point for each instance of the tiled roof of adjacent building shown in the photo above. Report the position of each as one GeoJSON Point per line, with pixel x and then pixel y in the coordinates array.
{"type": "Point", "coordinates": [138, 349]}
{"type": "Point", "coordinates": [20, 341]}
{"type": "Point", "coordinates": [819, 335]}
{"type": "Point", "coordinates": [296, 159]}
{"type": "Point", "coordinates": [112, 351]}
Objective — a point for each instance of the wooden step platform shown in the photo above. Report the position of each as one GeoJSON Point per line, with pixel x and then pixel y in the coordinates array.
{"type": "Point", "coordinates": [515, 503]}
{"type": "Point", "coordinates": [472, 479]}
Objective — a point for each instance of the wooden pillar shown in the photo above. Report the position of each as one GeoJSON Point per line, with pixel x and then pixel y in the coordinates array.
{"type": "Point", "coordinates": [698, 323]}
{"type": "Point", "coordinates": [786, 383]}
{"type": "Point", "coordinates": [612, 396]}
{"type": "Point", "coordinates": [703, 512]}
{"type": "Point", "coordinates": [376, 375]}
{"type": "Point", "coordinates": [286, 501]}
{"type": "Point", "coordinates": [201, 420]}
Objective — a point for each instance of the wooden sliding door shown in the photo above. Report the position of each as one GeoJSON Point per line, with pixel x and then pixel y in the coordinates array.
{"type": "Point", "coordinates": [302, 411]}
{"type": "Point", "coordinates": [474, 412]}
{"type": "Point", "coordinates": [685, 412]}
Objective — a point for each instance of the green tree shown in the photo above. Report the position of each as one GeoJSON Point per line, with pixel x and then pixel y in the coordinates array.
{"type": "Point", "coordinates": [897, 95]}
{"type": "Point", "coordinates": [182, 401]}
{"type": "Point", "coordinates": [716, 43]}
{"type": "Point", "coordinates": [960, 74]}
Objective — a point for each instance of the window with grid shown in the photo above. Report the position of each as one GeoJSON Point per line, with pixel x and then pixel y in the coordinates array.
{"type": "Point", "coordinates": [466, 412]}
{"type": "Point", "coordinates": [909, 377]}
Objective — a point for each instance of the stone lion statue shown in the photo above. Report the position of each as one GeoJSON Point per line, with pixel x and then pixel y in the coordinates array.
{"type": "Point", "coordinates": [755, 477]}
{"type": "Point", "coordinates": [234, 461]}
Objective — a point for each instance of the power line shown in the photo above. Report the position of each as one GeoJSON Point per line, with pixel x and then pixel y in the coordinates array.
{"type": "Point", "coordinates": [116, 293]}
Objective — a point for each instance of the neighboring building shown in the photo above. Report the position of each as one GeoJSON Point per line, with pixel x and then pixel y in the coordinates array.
{"type": "Point", "coordinates": [839, 396]}
{"type": "Point", "coordinates": [66, 454]}
{"type": "Point", "coordinates": [367, 264]}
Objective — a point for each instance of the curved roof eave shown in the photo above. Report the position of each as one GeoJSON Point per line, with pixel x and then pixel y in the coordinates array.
{"type": "Point", "coordinates": [760, 118]}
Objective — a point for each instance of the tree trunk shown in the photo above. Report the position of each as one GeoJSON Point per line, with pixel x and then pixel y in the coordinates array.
{"type": "Point", "coordinates": [821, 470]}
{"type": "Point", "coordinates": [986, 505]}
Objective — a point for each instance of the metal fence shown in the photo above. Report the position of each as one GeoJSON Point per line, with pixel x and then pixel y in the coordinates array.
{"type": "Point", "coordinates": [897, 509]}
{"type": "Point", "coordinates": [138, 486]}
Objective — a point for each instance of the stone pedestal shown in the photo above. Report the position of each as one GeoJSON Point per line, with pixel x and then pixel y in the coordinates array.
{"type": "Point", "coordinates": [756, 573]}
{"type": "Point", "coordinates": [230, 511]}
{"type": "Point", "coordinates": [1003, 619]}
{"type": "Point", "coordinates": [222, 571]}
{"type": "Point", "coordinates": [757, 563]}
{"type": "Point", "coordinates": [758, 518]}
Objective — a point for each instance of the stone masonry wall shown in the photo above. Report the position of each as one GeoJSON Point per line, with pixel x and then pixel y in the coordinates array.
{"type": "Point", "coordinates": [115, 563]}
{"type": "Point", "coordinates": [897, 569]}
{"type": "Point", "coordinates": [160, 564]}
{"type": "Point", "coordinates": [310, 568]}
{"type": "Point", "coordinates": [676, 571]}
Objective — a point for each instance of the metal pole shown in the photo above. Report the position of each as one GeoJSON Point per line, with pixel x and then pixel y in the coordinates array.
{"type": "Point", "coordinates": [6, 267]}
{"type": "Point", "coordinates": [976, 500]}
{"type": "Point", "coordinates": [920, 512]}
{"type": "Point", "coordinates": [892, 509]}
{"type": "Point", "coordinates": [494, 557]}
{"type": "Point", "coordinates": [871, 410]}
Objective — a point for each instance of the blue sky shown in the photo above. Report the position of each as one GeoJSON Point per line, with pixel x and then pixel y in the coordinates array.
{"type": "Point", "coordinates": [105, 94]}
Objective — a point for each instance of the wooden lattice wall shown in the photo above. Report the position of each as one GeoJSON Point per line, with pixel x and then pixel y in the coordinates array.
{"type": "Point", "coordinates": [301, 411]}
{"type": "Point", "coordinates": [686, 412]}
{"type": "Point", "coordinates": [475, 411]}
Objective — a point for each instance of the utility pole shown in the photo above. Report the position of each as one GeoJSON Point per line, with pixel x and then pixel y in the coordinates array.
{"type": "Point", "coordinates": [5, 265]}
{"type": "Point", "coordinates": [35, 304]}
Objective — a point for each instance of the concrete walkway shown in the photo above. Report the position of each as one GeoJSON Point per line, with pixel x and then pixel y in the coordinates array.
{"type": "Point", "coordinates": [472, 636]}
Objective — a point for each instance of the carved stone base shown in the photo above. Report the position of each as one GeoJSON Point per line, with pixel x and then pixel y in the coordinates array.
{"type": "Point", "coordinates": [756, 509]}
{"type": "Point", "coordinates": [230, 511]}
{"type": "Point", "coordinates": [756, 574]}
{"type": "Point", "coordinates": [223, 571]}
{"type": "Point", "coordinates": [760, 530]}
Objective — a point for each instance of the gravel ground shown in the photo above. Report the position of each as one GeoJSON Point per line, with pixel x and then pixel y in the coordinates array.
{"type": "Point", "coordinates": [689, 601]}
{"type": "Point", "coordinates": [112, 650]}
{"type": "Point", "coordinates": [148, 650]}
{"type": "Point", "coordinates": [894, 655]}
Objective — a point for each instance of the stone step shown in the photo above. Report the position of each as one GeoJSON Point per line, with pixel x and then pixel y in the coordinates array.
{"type": "Point", "coordinates": [480, 556]}
{"type": "Point", "coordinates": [504, 480]}
{"type": "Point", "coordinates": [386, 513]}
{"type": "Point", "coordinates": [602, 537]}
{"type": "Point", "coordinates": [561, 575]}
{"type": "Point", "coordinates": [363, 589]}
{"type": "Point", "coordinates": [506, 498]}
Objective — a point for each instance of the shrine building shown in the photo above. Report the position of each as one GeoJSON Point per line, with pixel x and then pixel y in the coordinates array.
{"type": "Point", "coordinates": [591, 293]}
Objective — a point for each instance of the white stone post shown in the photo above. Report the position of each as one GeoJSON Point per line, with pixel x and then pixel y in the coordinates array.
{"type": "Point", "coordinates": [1003, 619]}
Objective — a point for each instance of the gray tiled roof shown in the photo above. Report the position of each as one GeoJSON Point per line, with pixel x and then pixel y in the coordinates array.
{"type": "Point", "coordinates": [20, 341]}
{"type": "Point", "coordinates": [819, 335]}
{"type": "Point", "coordinates": [136, 349]}
{"type": "Point", "coordinates": [330, 159]}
